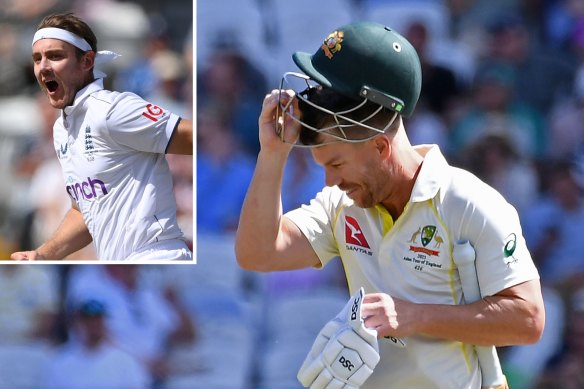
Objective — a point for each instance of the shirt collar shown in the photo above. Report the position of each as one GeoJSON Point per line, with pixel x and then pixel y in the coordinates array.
{"type": "Point", "coordinates": [433, 173]}
{"type": "Point", "coordinates": [83, 94]}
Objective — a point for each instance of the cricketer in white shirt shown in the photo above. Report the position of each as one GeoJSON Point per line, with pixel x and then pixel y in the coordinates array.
{"type": "Point", "coordinates": [412, 260]}
{"type": "Point", "coordinates": [111, 147]}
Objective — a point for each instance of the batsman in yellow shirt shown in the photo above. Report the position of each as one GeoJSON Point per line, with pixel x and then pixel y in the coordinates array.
{"type": "Point", "coordinates": [393, 213]}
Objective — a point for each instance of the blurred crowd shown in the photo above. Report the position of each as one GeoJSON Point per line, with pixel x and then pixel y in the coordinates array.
{"type": "Point", "coordinates": [155, 40]}
{"type": "Point", "coordinates": [502, 95]}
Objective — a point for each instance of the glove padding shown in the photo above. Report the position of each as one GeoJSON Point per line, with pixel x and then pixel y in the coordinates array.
{"type": "Point", "coordinates": [344, 352]}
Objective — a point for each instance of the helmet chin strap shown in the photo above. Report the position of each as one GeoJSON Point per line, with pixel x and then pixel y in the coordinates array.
{"type": "Point", "coordinates": [337, 130]}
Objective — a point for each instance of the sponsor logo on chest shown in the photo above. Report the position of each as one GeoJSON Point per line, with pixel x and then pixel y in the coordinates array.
{"type": "Point", "coordinates": [89, 189]}
{"type": "Point", "coordinates": [355, 239]}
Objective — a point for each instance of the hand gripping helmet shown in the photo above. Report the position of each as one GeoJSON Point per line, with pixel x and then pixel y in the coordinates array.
{"type": "Point", "coordinates": [367, 62]}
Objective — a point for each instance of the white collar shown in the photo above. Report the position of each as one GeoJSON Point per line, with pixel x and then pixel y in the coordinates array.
{"type": "Point", "coordinates": [433, 174]}
{"type": "Point", "coordinates": [82, 94]}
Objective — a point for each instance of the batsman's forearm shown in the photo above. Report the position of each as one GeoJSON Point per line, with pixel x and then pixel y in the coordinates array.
{"type": "Point", "coordinates": [261, 214]}
{"type": "Point", "coordinates": [71, 236]}
{"type": "Point", "coordinates": [495, 320]}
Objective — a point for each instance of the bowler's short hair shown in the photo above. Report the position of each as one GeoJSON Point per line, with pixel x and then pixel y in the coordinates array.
{"type": "Point", "coordinates": [71, 23]}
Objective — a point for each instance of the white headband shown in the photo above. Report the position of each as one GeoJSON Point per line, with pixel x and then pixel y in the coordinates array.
{"type": "Point", "coordinates": [101, 57]}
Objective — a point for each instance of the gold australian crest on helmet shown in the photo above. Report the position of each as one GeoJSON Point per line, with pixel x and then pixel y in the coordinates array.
{"type": "Point", "coordinates": [332, 43]}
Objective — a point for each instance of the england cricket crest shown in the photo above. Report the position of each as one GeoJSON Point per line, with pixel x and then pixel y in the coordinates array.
{"type": "Point", "coordinates": [427, 234]}
{"type": "Point", "coordinates": [89, 147]}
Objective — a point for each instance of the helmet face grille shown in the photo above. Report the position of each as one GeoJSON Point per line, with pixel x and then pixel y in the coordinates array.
{"type": "Point", "coordinates": [339, 124]}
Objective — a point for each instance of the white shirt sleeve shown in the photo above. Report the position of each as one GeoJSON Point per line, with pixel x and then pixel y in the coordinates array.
{"type": "Point", "coordinates": [479, 214]}
{"type": "Point", "coordinates": [140, 125]}
{"type": "Point", "coordinates": [316, 221]}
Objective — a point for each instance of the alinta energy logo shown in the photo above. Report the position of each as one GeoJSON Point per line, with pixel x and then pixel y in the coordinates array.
{"type": "Point", "coordinates": [426, 235]}
{"type": "Point", "coordinates": [509, 249]}
{"type": "Point", "coordinates": [354, 238]}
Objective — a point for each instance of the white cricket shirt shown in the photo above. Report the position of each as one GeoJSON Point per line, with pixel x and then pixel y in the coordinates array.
{"type": "Point", "coordinates": [411, 259]}
{"type": "Point", "coordinates": [111, 148]}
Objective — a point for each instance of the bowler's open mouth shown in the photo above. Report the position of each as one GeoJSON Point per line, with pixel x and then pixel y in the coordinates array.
{"type": "Point", "coordinates": [51, 85]}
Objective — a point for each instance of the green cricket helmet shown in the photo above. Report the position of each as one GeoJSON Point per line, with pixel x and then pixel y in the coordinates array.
{"type": "Point", "coordinates": [368, 62]}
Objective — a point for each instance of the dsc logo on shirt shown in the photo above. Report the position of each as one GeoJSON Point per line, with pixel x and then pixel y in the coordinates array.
{"type": "Point", "coordinates": [86, 189]}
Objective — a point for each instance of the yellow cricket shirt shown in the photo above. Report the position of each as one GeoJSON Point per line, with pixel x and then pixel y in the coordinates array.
{"type": "Point", "coordinates": [411, 258]}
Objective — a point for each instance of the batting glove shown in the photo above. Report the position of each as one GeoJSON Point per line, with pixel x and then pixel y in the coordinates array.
{"type": "Point", "coordinates": [344, 352]}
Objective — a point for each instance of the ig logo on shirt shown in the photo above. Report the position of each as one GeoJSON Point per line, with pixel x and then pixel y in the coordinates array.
{"type": "Point", "coordinates": [152, 112]}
